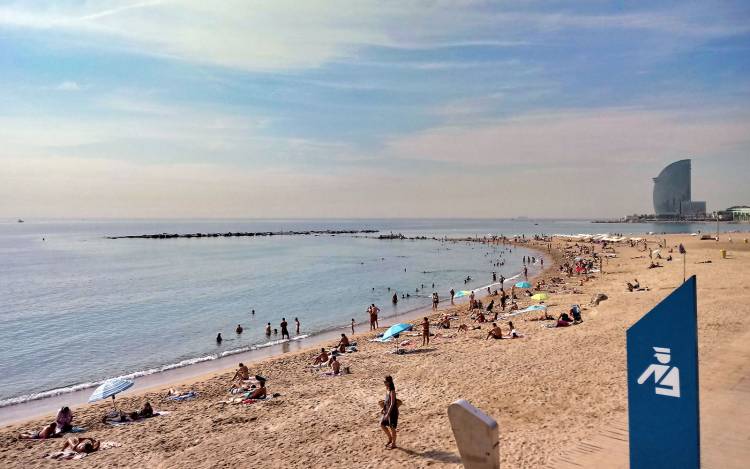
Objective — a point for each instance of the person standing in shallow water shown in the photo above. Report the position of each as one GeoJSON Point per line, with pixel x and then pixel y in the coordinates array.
{"type": "Point", "coordinates": [389, 421]}
{"type": "Point", "coordinates": [296, 322]}
{"type": "Point", "coordinates": [284, 331]}
{"type": "Point", "coordinates": [268, 329]}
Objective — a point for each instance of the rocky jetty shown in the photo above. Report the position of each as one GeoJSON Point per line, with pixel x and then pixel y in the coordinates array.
{"type": "Point", "coordinates": [241, 234]}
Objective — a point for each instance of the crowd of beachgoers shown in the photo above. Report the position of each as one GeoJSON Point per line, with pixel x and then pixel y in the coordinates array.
{"type": "Point", "coordinates": [514, 311]}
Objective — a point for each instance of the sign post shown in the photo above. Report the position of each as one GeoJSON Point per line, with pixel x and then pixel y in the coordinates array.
{"type": "Point", "coordinates": [663, 406]}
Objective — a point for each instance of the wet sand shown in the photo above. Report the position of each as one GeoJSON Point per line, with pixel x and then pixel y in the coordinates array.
{"type": "Point", "coordinates": [550, 390]}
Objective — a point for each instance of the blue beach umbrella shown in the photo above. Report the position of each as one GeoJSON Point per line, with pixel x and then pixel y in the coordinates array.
{"type": "Point", "coordinates": [523, 285]}
{"type": "Point", "coordinates": [395, 330]}
{"type": "Point", "coordinates": [535, 308]}
{"type": "Point", "coordinates": [110, 388]}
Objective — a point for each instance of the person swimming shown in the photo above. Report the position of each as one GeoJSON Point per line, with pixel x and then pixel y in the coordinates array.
{"type": "Point", "coordinates": [239, 329]}
{"type": "Point", "coordinates": [218, 338]}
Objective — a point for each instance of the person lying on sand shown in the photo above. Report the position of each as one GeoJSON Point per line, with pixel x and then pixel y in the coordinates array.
{"type": "Point", "coordinates": [322, 358]}
{"type": "Point", "coordinates": [544, 317]}
{"type": "Point", "coordinates": [47, 432]}
{"type": "Point", "coordinates": [81, 445]}
{"type": "Point", "coordinates": [654, 265]}
{"type": "Point", "coordinates": [564, 320]}
{"type": "Point", "coordinates": [242, 373]}
{"type": "Point", "coordinates": [260, 391]}
{"type": "Point", "coordinates": [495, 332]}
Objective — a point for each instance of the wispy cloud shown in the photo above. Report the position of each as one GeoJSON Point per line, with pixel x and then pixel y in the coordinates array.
{"type": "Point", "coordinates": [68, 86]}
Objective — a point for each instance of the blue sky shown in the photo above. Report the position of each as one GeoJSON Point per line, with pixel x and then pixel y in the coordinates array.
{"type": "Point", "coordinates": [342, 109]}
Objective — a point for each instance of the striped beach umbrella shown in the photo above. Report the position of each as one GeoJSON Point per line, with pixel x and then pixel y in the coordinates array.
{"type": "Point", "coordinates": [110, 388]}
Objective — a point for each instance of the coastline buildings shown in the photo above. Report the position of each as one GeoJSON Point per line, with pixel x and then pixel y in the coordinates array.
{"type": "Point", "coordinates": [672, 193]}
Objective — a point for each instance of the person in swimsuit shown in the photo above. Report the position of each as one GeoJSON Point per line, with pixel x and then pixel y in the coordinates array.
{"type": "Point", "coordinates": [260, 391]}
{"type": "Point", "coordinates": [64, 420]}
{"type": "Point", "coordinates": [343, 343]}
{"type": "Point", "coordinates": [146, 411]}
{"type": "Point", "coordinates": [268, 330]}
{"type": "Point", "coordinates": [335, 365]}
{"type": "Point", "coordinates": [389, 421]}
{"type": "Point", "coordinates": [374, 310]}
{"type": "Point", "coordinates": [425, 332]}
{"type": "Point", "coordinates": [218, 338]}
{"type": "Point", "coordinates": [353, 323]}
{"type": "Point", "coordinates": [495, 332]}
{"type": "Point", "coordinates": [242, 373]}
{"type": "Point", "coordinates": [239, 329]}
{"type": "Point", "coordinates": [81, 445]}
{"type": "Point", "coordinates": [322, 358]}
{"type": "Point", "coordinates": [47, 432]}
{"type": "Point", "coordinates": [453, 294]}
{"type": "Point", "coordinates": [284, 331]}
{"type": "Point", "coordinates": [296, 322]}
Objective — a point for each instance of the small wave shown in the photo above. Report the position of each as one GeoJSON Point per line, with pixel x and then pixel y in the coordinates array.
{"type": "Point", "coordinates": [141, 373]}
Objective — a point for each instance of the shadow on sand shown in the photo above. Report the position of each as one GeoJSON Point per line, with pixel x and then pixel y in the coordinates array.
{"type": "Point", "coordinates": [433, 454]}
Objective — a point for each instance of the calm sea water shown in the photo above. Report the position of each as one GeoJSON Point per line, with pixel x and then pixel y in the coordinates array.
{"type": "Point", "coordinates": [77, 308]}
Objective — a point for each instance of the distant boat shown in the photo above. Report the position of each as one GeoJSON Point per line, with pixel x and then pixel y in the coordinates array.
{"type": "Point", "coordinates": [20, 221]}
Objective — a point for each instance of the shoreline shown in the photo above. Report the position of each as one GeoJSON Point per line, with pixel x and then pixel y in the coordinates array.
{"type": "Point", "coordinates": [550, 382]}
{"type": "Point", "coordinates": [146, 381]}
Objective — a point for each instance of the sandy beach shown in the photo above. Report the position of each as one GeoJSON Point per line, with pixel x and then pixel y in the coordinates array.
{"type": "Point", "coordinates": [550, 390]}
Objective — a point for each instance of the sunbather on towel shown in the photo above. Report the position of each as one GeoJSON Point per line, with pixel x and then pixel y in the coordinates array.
{"type": "Point", "coordinates": [260, 391]}
{"type": "Point", "coordinates": [47, 432]}
{"type": "Point", "coordinates": [322, 358]}
{"type": "Point", "coordinates": [81, 445]}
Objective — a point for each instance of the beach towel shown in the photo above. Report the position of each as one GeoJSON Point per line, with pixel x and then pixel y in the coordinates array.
{"type": "Point", "coordinates": [184, 397]}
{"type": "Point", "coordinates": [266, 399]}
{"type": "Point", "coordinates": [69, 454]}
{"type": "Point", "coordinates": [118, 423]}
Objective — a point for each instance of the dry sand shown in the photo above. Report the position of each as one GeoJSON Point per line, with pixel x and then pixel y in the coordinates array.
{"type": "Point", "coordinates": [550, 391]}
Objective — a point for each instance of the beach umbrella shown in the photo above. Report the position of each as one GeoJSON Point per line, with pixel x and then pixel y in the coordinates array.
{"type": "Point", "coordinates": [540, 297]}
{"type": "Point", "coordinates": [462, 293]}
{"type": "Point", "coordinates": [110, 388]}
{"type": "Point", "coordinates": [395, 330]}
{"type": "Point", "coordinates": [523, 285]}
{"type": "Point", "coordinates": [534, 308]}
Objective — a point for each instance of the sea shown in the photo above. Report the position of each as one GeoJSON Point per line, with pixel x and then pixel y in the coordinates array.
{"type": "Point", "coordinates": [77, 307]}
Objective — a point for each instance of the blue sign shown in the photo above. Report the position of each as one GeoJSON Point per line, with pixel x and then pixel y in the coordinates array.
{"type": "Point", "coordinates": [663, 384]}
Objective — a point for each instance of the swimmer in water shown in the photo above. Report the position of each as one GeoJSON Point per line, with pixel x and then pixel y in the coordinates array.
{"type": "Point", "coordinates": [218, 338]}
{"type": "Point", "coordinates": [268, 329]}
{"type": "Point", "coordinates": [239, 329]}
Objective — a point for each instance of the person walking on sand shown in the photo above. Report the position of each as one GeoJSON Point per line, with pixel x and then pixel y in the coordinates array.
{"type": "Point", "coordinates": [389, 420]}
{"type": "Point", "coordinates": [296, 323]}
{"type": "Point", "coordinates": [284, 330]}
{"type": "Point", "coordinates": [425, 331]}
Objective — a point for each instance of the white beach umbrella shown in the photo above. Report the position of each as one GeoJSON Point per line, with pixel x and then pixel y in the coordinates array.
{"type": "Point", "coordinates": [110, 388]}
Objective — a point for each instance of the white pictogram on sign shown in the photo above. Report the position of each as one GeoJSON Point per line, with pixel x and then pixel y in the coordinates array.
{"type": "Point", "coordinates": [666, 377]}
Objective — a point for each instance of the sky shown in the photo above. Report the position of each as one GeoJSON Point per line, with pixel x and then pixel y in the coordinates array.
{"type": "Point", "coordinates": [341, 109]}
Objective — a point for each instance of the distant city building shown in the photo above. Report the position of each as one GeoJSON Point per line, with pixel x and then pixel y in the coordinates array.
{"type": "Point", "coordinates": [672, 193]}
{"type": "Point", "coordinates": [739, 213]}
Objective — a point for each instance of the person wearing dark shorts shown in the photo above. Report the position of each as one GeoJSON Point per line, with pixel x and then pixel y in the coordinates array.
{"type": "Point", "coordinates": [389, 421]}
{"type": "Point", "coordinates": [284, 331]}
